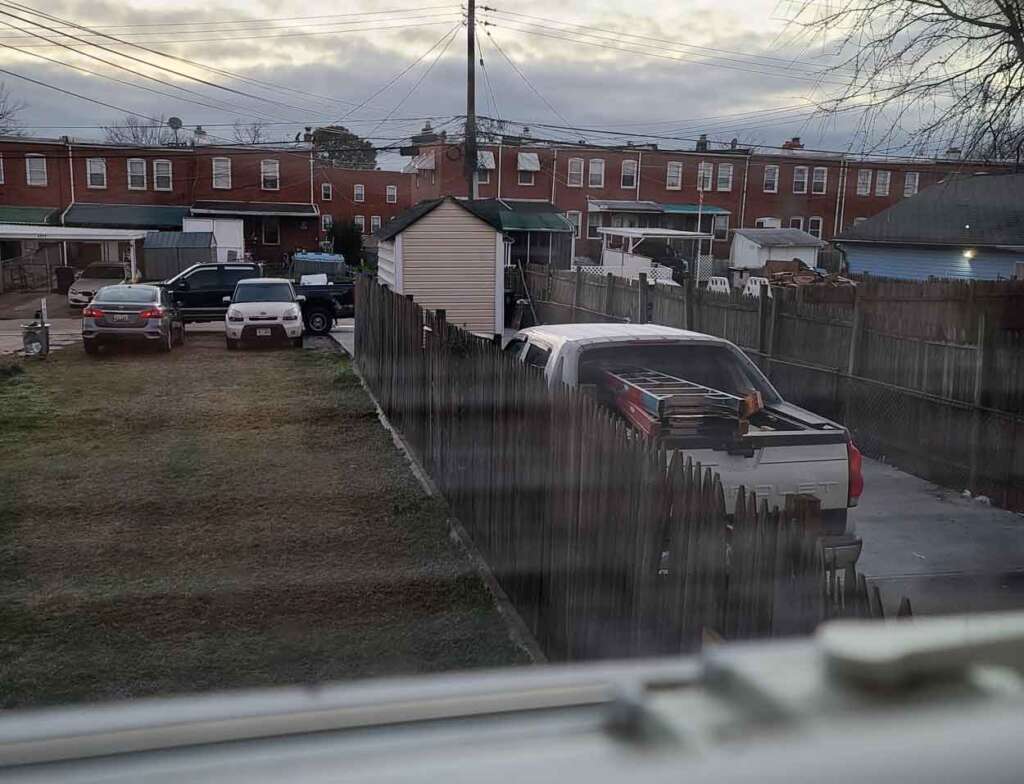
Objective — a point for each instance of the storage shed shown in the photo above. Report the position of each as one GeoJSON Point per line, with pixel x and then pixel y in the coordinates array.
{"type": "Point", "coordinates": [166, 253]}
{"type": "Point", "coordinates": [753, 248]}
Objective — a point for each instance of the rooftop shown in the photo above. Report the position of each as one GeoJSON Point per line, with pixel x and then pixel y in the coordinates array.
{"type": "Point", "coordinates": [781, 238]}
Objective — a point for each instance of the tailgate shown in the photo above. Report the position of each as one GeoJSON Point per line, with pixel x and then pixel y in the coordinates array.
{"type": "Point", "coordinates": [774, 471]}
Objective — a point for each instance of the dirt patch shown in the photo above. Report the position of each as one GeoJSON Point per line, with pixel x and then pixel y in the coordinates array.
{"type": "Point", "coordinates": [205, 519]}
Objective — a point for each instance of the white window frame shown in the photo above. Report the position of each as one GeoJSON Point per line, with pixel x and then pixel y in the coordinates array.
{"type": "Point", "coordinates": [326, 191]}
{"type": "Point", "coordinates": [774, 169]}
{"type": "Point", "coordinates": [883, 176]}
{"type": "Point", "coordinates": [823, 171]}
{"type": "Point", "coordinates": [632, 163]}
{"type": "Point", "coordinates": [574, 179]}
{"type": "Point", "coordinates": [264, 222]}
{"type": "Point", "coordinates": [593, 235]}
{"type": "Point", "coordinates": [798, 220]}
{"type": "Point", "coordinates": [359, 193]}
{"type": "Point", "coordinates": [270, 168]}
{"type": "Point", "coordinates": [28, 170]}
{"type": "Point", "coordinates": [483, 177]}
{"type": "Point", "coordinates": [225, 174]}
{"type": "Point", "coordinates": [674, 168]}
{"type": "Point", "coordinates": [526, 178]}
{"type": "Point", "coordinates": [908, 178]}
{"type": "Point", "coordinates": [720, 227]}
{"type": "Point", "coordinates": [864, 182]}
{"type": "Point", "coordinates": [803, 170]}
{"type": "Point", "coordinates": [89, 162]}
{"type": "Point", "coordinates": [374, 223]}
{"type": "Point", "coordinates": [1, 169]}
{"type": "Point", "coordinates": [810, 226]}
{"type": "Point", "coordinates": [705, 176]}
{"type": "Point", "coordinates": [391, 194]}
{"type": "Point", "coordinates": [725, 184]}
{"type": "Point", "coordinates": [575, 217]}
{"type": "Point", "coordinates": [360, 221]}
{"type": "Point", "coordinates": [762, 223]}
{"type": "Point", "coordinates": [599, 164]}
{"type": "Point", "coordinates": [170, 175]}
{"type": "Point", "coordinates": [128, 172]}
{"type": "Point", "coordinates": [326, 221]}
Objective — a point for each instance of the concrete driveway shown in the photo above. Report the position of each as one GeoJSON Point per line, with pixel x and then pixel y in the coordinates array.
{"type": "Point", "coordinates": [63, 332]}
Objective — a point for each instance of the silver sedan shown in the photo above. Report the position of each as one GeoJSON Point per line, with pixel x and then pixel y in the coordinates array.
{"type": "Point", "coordinates": [131, 313]}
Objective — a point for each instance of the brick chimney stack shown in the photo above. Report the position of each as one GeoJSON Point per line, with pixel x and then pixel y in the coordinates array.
{"type": "Point", "coordinates": [792, 144]}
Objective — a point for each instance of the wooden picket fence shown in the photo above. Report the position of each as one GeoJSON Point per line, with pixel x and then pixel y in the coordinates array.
{"type": "Point", "coordinates": [605, 545]}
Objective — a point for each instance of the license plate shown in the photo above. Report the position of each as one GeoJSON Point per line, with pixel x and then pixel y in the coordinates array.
{"type": "Point", "coordinates": [263, 333]}
{"type": "Point", "coordinates": [121, 317]}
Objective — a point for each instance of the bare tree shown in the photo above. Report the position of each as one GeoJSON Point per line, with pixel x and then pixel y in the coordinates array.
{"type": "Point", "coordinates": [142, 132]}
{"type": "Point", "coordinates": [10, 108]}
{"type": "Point", "coordinates": [934, 73]}
{"type": "Point", "coordinates": [249, 133]}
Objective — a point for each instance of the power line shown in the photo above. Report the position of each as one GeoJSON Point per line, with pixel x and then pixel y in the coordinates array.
{"type": "Point", "coordinates": [487, 80]}
{"type": "Point", "coordinates": [523, 77]}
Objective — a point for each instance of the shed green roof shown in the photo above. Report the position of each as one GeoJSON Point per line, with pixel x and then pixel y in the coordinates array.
{"type": "Point", "coordinates": [693, 209]}
{"type": "Point", "coordinates": [34, 216]}
{"type": "Point", "coordinates": [502, 215]}
{"type": "Point", "coordinates": [126, 216]}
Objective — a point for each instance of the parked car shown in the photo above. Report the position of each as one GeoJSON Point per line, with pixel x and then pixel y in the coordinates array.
{"type": "Point", "coordinates": [131, 313]}
{"type": "Point", "coordinates": [92, 279]}
{"type": "Point", "coordinates": [263, 310]}
{"type": "Point", "coordinates": [784, 449]}
{"type": "Point", "coordinates": [201, 289]}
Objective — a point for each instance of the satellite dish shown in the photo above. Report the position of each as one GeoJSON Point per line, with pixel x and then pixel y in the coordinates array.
{"type": "Point", "coordinates": [174, 123]}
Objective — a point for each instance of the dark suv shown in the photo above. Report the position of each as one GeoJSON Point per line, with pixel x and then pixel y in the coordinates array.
{"type": "Point", "coordinates": [198, 292]}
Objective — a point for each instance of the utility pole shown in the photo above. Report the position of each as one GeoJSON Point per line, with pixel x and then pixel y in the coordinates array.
{"type": "Point", "coordinates": [471, 184]}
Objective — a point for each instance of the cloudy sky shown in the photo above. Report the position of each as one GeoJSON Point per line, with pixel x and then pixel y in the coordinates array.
{"type": "Point", "coordinates": [729, 68]}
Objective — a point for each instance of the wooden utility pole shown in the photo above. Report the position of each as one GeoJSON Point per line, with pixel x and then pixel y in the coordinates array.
{"type": "Point", "coordinates": [471, 184]}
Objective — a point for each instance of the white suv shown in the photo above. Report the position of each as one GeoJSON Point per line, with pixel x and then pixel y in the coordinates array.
{"type": "Point", "coordinates": [263, 310]}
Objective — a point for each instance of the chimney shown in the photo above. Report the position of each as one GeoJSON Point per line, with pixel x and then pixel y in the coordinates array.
{"type": "Point", "coordinates": [792, 144]}
{"type": "Point", "coordinates": [702, 143]}
{"type": "Point", "coordinates": [734, 143]}
{"type": "Point", "coordinates": [953, 152]}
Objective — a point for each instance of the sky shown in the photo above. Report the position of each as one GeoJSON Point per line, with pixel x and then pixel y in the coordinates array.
{"type": "Point", "coordinates": [728, 68]}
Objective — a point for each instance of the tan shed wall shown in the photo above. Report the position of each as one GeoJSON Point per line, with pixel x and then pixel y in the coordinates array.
{"type": "Point", "coordinates": [448, 261]}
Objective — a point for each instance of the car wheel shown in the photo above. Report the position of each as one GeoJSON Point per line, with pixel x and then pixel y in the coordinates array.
{"type": "Point", "coordinates": [91, 347]}
{"type": "Point", "coordinates": [297, 342]}
{"type": "Point", "coordinates": [319, 321]}
{"type": "Point", "coordinates": [232, 344]}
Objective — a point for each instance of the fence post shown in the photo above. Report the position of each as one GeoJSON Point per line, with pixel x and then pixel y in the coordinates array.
{"type": "Point", "coordinates": [851, 357]}
{"type": "Point", "coordinates": [644, 295]}
{"type": "Point", "coordinates": [690, 320]}
{"type": "Point", "coordinates": [977, 397]}
{"type": "Point", "coordinates": [762, 314]}
{"type": "Point", "coordinates": [609, 294]}
{"type": "Point", "coordinates": [576, 292]}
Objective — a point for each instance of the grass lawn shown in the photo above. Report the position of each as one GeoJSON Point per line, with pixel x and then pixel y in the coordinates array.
{"type": "Point", "coordinates": [207, 520]}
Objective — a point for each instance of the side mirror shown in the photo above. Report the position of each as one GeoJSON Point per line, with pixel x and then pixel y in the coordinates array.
{"type": "Point", "coordinates": [300, 298]}
{"type": "Point", "coordinates": [226, 300]}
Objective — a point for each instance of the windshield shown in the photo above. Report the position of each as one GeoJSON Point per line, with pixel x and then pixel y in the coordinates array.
{"type": "Point", "coordinates": [263, 292]}
{"type": "Point", "coordinates": [102, 271]}
{"type": "Point", "coordinates": [127, 294]}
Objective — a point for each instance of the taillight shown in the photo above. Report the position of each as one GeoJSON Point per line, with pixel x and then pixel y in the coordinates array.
{"type": "Point", "coordinates": [152, 313]}
{"type": "Point", "coordinates": [856, 474]}
{"type": "Point", "coordinates": [91, 312]}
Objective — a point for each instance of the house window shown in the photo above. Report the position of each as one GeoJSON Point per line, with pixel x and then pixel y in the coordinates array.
{"type": "Point", "coordinates": [360, 222]}
{"type": "Point", "coordinates": [705, 176]}
{"type": "Point", "coordinates": [724, 177]}
{"type": "Point", "coordinates": [593, 222]}
{"type": "Point", "coordinates": [270, 175]}
{"type": "Point", "coordinates": [796, 223]}
{"type": "Point", "coordinates": [136, 174]}
{"type": "Point", "coordinates": [526, 177]}
{"type": "Point", "coordinates": [596, 178]}
{"type": "Point", "coordinates": [819, 181]}
{"type": "Point", "coordinates": [327, 222]}
{"type": "Point", "coordinates": [674, 176]}
{"type": "Point", "coordinates": [720, 227]}
{"type": "Point", "coordinates": [628, 174]}
{"type": "Point", "coordinates": [271, 231]}
{"type": "Point", "coordinates": [771, 179]}
{"type": "Point", "coordinates": [35, 169]}
{"type": "Point", "coordinates": [326, 191]}
{"type": "Point", "coordinates": [483, 177]}
{"type": "Point", "coordinates": [799, 179]}
{"type": "Point", "coordinates": [574, 179]}
{"type": "Point", "coordinates": [163, 179]}
{"type": "Point", "coordinates": [574, 217]}
{"type": "Point", "coordinates": [767, 223]}
{"type": "Point", "coordinates": [222, 173]}
{"type": "Point", "coordinates": [882, 183]}
{"type": "Point", "coordinates": [1, 169]}
{"type": "Point", "coordinates": [358, 193]}
{"type": "Point", "coordinates": [910, 182]}
{"type": "Point", "coordinates": [374, 222]}
{"type": "Point", "coordinates": [864, 182]}
{"type": "Point", "coordinates": [814, 227]}
{"type": "Point", "coordinates": [96, 172]}
{"type": "Point", "coordinates": [392, 194]}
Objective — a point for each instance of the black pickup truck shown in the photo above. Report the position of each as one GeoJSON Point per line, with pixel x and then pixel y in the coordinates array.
{"type": "Point", "coordinates": [199, 293]}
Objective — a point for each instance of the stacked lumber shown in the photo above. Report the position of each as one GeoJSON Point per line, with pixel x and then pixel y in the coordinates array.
{"type": "Point", "coordinates": [809, 277]}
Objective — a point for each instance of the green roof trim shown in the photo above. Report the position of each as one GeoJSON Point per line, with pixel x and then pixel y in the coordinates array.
{"type": "Point", "coordinates": [500, 214]}
{"type": "Point", "coordinates": [693, 209]}
{"type": "Point", "coordinates": [125, 216]}
{"type": "Point", "coordinates": [29, 216]}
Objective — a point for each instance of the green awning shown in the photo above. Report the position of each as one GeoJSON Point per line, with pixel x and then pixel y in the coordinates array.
{"type": "Point", "coordinates": [534, 221]}
{"type": "Point", "coordinates": [125, 216]}
{"type": "Point", "coordinates": [33, 216]}
{"type": "Point", "coordinates": [693, 209]}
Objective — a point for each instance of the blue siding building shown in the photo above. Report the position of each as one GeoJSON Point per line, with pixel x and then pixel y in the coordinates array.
{"type": "Point", "coordinates": [918, 263]}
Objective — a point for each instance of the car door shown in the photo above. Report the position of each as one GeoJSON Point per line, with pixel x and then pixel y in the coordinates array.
{"type": "Point", "coordinates": [200, 296]}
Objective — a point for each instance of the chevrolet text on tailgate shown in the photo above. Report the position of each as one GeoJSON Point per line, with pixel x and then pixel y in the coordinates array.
{"type": "Point", "coordinates": [701, 394]}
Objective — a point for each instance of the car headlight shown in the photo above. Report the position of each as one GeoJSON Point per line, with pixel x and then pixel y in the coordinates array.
{"type": "Point", "coordinates": [235, 315]}
{"type": "Point", "coordinates": [291, 315]}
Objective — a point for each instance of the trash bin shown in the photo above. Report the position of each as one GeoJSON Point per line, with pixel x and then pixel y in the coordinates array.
{"type": "Point", "coordinates": [65, 277]}
{"type": "Point", "coordinates": [35, 339]}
